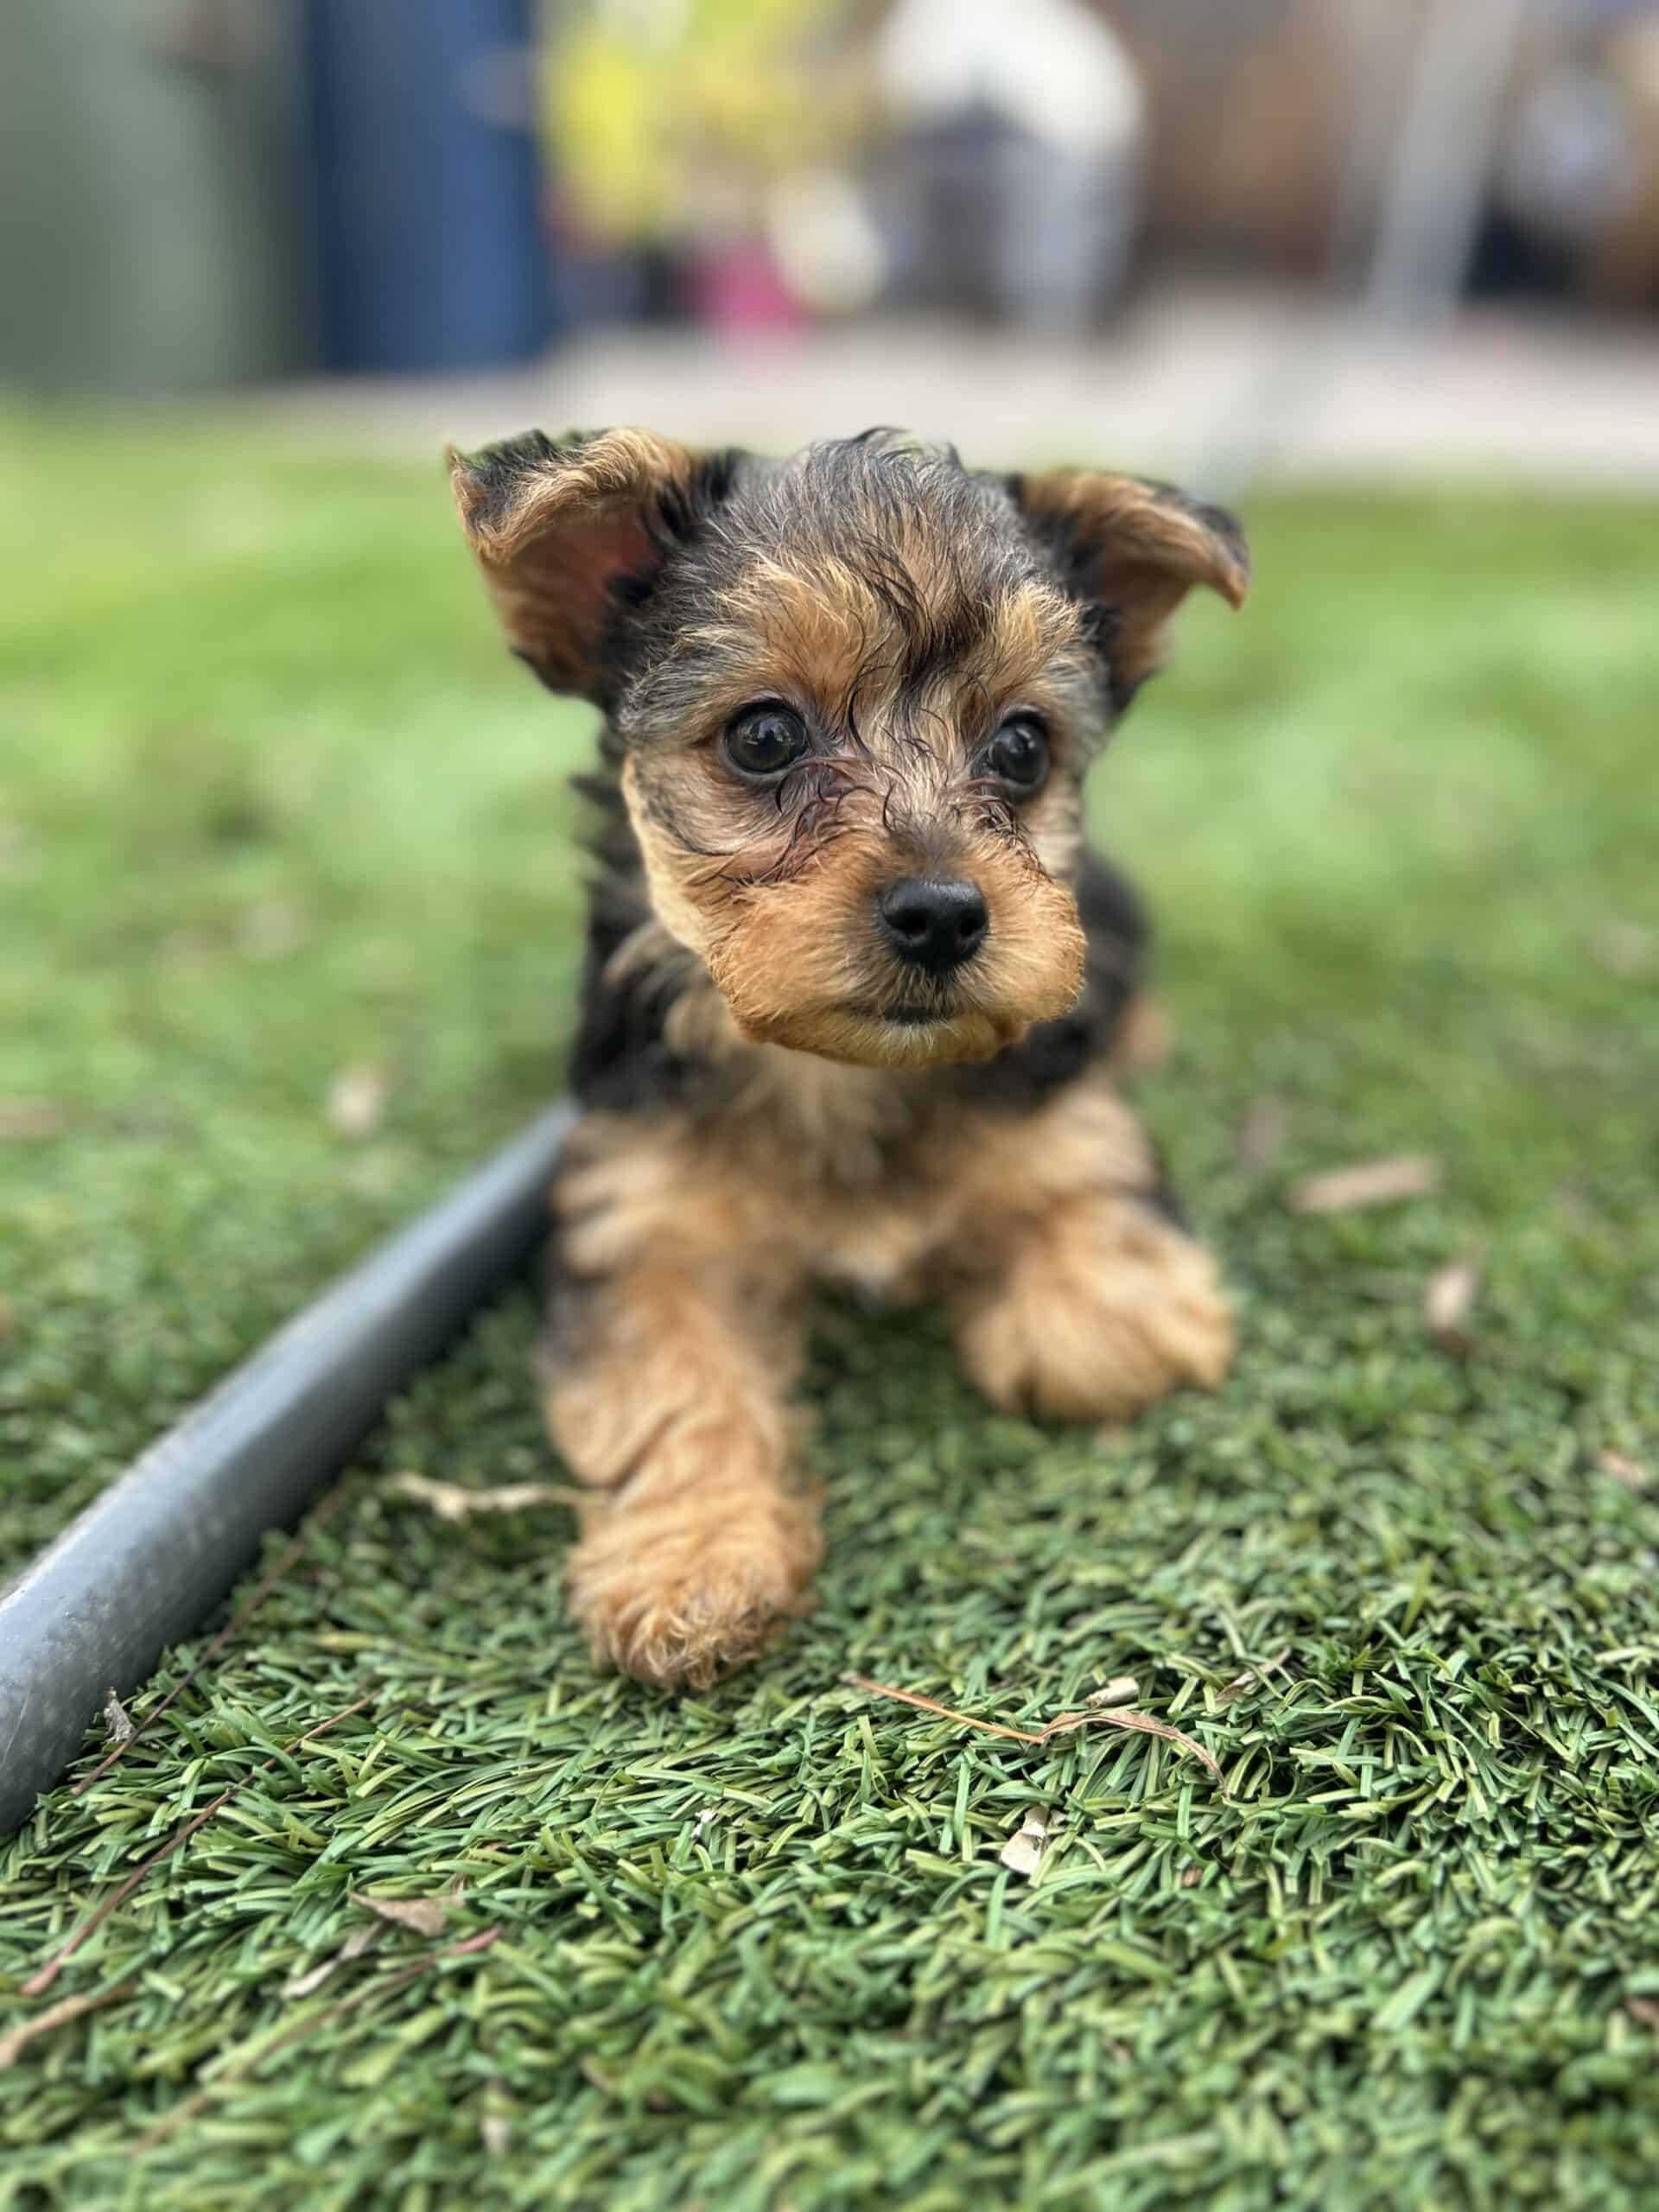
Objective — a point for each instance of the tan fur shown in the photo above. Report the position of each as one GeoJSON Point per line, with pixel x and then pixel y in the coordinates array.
{"type": "Point", "coordinates": [550, 553]}
{"type": "Point", "coordinates": [812, 628]}
{"type": "Point", "coordinates": [1069, 1294]}
{"type": "Point", "coordinates": [677, 1591]}
{"type": "Point", "coordinates": [796, 960]}
{"type": "Point", "coordinates": [1078, 1300]}
{"type": "Point", "coordinates": [789, 963]}
{"type": "Point", "coordinates": [783, 920]}
{"type": "Point", "coordinates": [758, 1202]}
{"type": "Point", "coordinates": [610, 472]}
{"type": "Point", "coordinates": [839, 1114]}
{"type": "Point", "coordinates": [1095, 1311]}
{"type": "Point", "coordinates": [674, 1406]}
{"type": "Point", "coordinates": [817, 628]}
{"type": "Point", "coordinates": [1150, 549]}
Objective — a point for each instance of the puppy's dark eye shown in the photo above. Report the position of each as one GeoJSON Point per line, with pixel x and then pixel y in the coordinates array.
{"type": "Point", "coordinates": [764, 740]}
{"type": "Point", "coordinates": [1017, 755]}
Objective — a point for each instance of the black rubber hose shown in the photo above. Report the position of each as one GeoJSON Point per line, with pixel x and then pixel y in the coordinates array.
{"type": "Point", "coordinates": [164, 1542]}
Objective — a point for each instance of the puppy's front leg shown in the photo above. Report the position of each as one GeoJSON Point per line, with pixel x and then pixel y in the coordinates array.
{"type": "Point", "coordinates": [675, 1335]}
{"type": "Point", "coordinates": [1075, 1295]}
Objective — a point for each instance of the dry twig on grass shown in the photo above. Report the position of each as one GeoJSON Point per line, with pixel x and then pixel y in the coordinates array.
{"type": "Point", "coordinates": [15, 2041]}
{"type": "Point", "coordinates": [1063, 1725]}
{"type": "Point", "coordinates": [457, 1502]}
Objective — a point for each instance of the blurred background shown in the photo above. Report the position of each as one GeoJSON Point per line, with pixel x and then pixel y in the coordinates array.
{"type": "Point", "coordinates": [1221, 235]}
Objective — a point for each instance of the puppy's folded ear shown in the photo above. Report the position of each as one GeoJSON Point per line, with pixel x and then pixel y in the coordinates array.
{"type": "Point", "coordinates": [1133, 550]}
{"type": "Point", "coordinates": [569, 531]}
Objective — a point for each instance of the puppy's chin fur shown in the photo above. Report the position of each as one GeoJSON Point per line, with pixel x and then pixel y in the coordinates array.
{"type": "Point", "coordinates": [798, 967]}
{"type": "Point", "coordinates": [867, 1040]}
{"type": "Point", "coordinates": [1046, 974]}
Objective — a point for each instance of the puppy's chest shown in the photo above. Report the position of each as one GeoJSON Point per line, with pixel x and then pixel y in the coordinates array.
{"type": "Point", "coordinates": [849, 1153]}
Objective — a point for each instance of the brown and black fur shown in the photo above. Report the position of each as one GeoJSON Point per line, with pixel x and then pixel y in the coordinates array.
{"type": "Point", "coordinates": [775, 1098]}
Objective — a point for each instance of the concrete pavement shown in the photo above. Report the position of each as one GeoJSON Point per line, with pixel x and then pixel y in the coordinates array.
{"type": "Point", "coordinates": [1214, 386]}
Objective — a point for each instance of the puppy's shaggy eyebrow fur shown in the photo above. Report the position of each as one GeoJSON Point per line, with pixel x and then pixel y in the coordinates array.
{"type": "Point", "coordinates": [881, 554]}
{"type": "Point", "coordinates": [776, 1090]}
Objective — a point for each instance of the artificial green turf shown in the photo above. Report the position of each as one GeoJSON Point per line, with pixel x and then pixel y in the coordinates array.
{"type": "Point", "coordinates": [271, 803]}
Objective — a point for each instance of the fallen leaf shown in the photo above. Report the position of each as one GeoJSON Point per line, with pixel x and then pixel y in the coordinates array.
{"type": "Point", "coordinates": [1448, 1301]}
{"type": "Point", "coordinates": [458, 1502]}
{"type": "Point", "coordinates": [271, 930]}
{"type": "Point", "coordinates": [1626, 949]}
{"type": "Point", "coordinates": [1111, 1716]}
{"type": "Point", "coordinates": [15, 2041]}
{"type": "Point", "coordinates": [1644, 2010]}
{"type": "Point", "coordinates": [1260, 1135]}
{"type": "Point", "coordinates": [30, 1121]}
{"type": "Point", "coordinates": [354, 1947]}
{"type": "Point", "coordinates": [1370, 1183]}
{"type": "Point", "coordinates": [1191, 1877]}
{"type": "Point", "coordinates": [1624, 1469]}
{"type": "Point", "coordinates": [1027, 1848]}
{"type": "Point", "coordinates": [495, 2132]}
{"type": "Point", "coordinates": [424, 1915]}
{"type": "Point", "coordinates": [356, 1098]}
{"type": "Point", "coordinates": [1252, 1675]}
{"type": "Point", "coordinates": [1122, 1689]}
{"type": "Point", "coordinates": [117, 1719]}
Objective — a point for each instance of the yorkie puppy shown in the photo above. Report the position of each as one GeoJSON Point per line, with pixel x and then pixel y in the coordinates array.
{"type": "Point", "coordinates": [857, 994]}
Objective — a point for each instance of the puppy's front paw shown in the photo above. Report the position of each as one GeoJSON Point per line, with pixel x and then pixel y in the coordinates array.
{"type": "Point", "coordinates": [1102, 1308]}
{"type": "Point", "coordinates": [678, 1590]}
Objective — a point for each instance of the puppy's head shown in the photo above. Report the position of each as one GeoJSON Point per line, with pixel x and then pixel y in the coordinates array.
{"type": "Point", "coordinates": [853, 695]}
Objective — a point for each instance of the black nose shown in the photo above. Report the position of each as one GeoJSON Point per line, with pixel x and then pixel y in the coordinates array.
{"type": "Point", "coordinates": [933, 925]}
